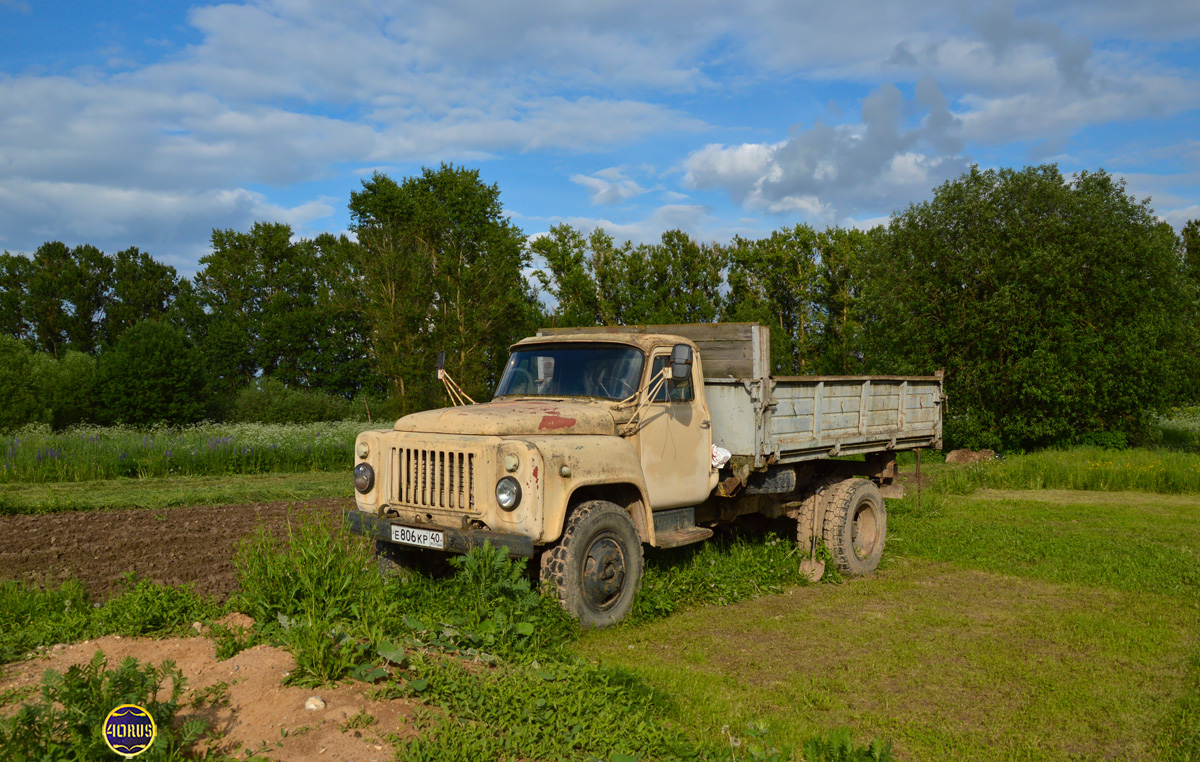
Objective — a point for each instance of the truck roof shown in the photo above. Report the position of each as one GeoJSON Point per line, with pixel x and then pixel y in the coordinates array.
{"type": "Point", "coordinates": [644, 341]}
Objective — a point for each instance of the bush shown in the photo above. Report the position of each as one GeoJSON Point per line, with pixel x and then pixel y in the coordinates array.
{"type": "Point", "coordinates": [66, 388]}
{"type": "Point", "coordinates": [18, 397]}
{"type": "Point", "coordinates": [64, 724]}
{"type": "Point", "coordinates": [152, 375]}
{"type": "Point", "coordinates": [270, 401]}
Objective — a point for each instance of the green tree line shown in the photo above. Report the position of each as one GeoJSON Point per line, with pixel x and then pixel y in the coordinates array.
{"type": "Point", "coordinates": [1062, 309]}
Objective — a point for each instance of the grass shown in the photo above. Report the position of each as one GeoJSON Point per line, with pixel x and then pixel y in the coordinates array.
{"type": "Point", "coordinates": [33, 617]}
{"type": "Point", "coordinates": [171, 492]}
{"type": "Point", "coordinates": [1079, 468]}
{"type": "Point", "coordinates": [36, 454]}
{"type": "Point", "coordinates": [1003, 625]}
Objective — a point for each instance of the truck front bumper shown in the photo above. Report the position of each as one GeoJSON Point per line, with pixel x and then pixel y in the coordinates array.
{"type": "Point", "coordinates": [457, 540]}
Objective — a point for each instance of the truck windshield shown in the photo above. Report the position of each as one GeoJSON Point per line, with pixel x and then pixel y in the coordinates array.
{"type": "Point", "coordinates": [608, 371]}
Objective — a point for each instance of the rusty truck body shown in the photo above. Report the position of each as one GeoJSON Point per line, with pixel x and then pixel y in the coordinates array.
{"type": "Point", "coordinates": [601, 440]}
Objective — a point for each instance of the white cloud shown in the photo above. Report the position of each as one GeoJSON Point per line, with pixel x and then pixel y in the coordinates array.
{"type": "Point", "coordinates": [171, 225]}
{"type": "Point", "coordinates": [609, 186]}
{"type": "Point", "coordinates": [826, 173]}
{"type": "Point", "coordinates": [1177, 218]}
{"type": "Point", "coordinates": [276, 93]}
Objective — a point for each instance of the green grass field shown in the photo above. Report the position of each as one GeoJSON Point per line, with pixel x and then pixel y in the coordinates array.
{"type": "Point", "coordinates": [171, 492]}
{"type": "Point", "coordinates": [1004, 625]}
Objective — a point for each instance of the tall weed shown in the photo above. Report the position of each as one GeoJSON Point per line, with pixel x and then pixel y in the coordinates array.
{"type": "Point", "coordinates": [31, 616]}
{"type": "Point", "coordinates": [147, 608]}
{"type": "Point", "coordinates": [318, 568]}
{"type": "Point", "coordinates": [64, 723]}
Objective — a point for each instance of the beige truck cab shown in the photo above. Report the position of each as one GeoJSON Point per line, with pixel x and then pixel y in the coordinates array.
{"type": "Point", "coordinates": [599, 441]}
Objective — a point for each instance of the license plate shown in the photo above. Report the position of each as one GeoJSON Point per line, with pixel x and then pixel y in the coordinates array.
{"type": "Point", "coordinates": [422, 538]}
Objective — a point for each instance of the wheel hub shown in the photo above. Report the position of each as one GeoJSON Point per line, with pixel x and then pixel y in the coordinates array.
{"type": "Point", "coordinates": [603, 573]}
{"type": "Point", "coordinates": [864, 531]}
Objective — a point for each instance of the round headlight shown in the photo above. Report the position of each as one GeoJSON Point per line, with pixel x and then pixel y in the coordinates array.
{"type": "Point", "coordinates": [364, 478]}
{"type": "Point", "coordinates": [508, 493]}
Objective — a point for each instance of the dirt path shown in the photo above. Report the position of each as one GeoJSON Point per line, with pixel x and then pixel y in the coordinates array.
{"type": "Point", "coordinates": [171, 546]}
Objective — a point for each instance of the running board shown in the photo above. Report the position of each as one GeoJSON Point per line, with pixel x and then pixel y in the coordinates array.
{"type": "Point", "coordinates": [682, 537]}
{"type": "Point", "coordinates": [677, 527]}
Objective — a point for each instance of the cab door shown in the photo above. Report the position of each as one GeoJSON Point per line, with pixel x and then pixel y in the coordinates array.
{"type": "Point", "coordinates": [675, 439]}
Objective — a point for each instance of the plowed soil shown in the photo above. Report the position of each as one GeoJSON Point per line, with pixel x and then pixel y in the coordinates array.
{"type": "Point", "coordinates": [172, 546]}
{"type": "Point", "coordinates": [258, 712]}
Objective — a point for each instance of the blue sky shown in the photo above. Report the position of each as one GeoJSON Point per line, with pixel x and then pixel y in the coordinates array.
{"type": "Point", "coordinates": [138, 123]}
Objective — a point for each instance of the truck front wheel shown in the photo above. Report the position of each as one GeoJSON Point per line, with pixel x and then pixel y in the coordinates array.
{"type": "Point", "coordinates": [595, 569]}
{"type": "Point", "coordinates": [855, 526]}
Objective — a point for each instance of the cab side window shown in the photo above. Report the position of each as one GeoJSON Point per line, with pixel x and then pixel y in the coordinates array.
{"type": "Point", "coordinates": [669, 390]}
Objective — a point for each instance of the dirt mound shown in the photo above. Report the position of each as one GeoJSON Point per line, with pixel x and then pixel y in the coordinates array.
{"type": "Point", "coordinates": [970, 456]}
{"type": "Point", "coordinates": [253, 709]}
{"type": "Point", "coordinates": [170, 545]}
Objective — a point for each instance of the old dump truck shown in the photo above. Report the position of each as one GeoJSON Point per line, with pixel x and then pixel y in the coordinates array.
{"type": "Point", "coordinates": [601, 440]}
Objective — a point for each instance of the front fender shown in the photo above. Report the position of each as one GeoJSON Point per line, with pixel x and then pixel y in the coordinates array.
{"type": "Point", "coordinates": [595, 463]}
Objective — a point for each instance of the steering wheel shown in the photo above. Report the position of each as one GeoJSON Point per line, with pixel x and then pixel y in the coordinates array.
{"type": "Point", "coordinates": [526, 386]}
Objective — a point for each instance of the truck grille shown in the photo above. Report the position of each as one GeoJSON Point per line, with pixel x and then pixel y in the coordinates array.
{"type": "Point", "coordinates": [430, 478]}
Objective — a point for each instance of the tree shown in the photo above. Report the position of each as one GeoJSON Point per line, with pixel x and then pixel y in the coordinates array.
{"type": "Point", "coordinates": [1058, 308]}
{"type": "Point", "coordinates": [14, 283]}
{"type": "Point", "coordinates": [439, 266]}
{"type": "Point", "coordinates": [142, 289]}
{"type": "Point", "coordinates": [1189, 249]}
{"type": "Point", "coordinates": [838, 292]}
{"type": "Point", "coordinates": [44, 304]}
{"type": "Point", "coordinates": [65, 296]}
{"type": "Point", "coordinates": [675, 281]}
{"type": "Point", "coordinates": [152, 374]}
{"type": "Point", "coordinates": [596, 283]}
{"type": "Point", "coordinates": [774, 281]}
{"type": "Point", "coordinates": [570, 275]}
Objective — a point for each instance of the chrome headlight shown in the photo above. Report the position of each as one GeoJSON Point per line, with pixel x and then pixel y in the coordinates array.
{"type": "Point", "coordinates": [364, 478]}
{"type": "Point", "coordinates": [508, 493]}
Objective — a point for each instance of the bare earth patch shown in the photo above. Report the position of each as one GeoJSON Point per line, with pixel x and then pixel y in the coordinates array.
{"type": "Point", "coordinates": [171, 546]}
{"type": "Point", "coordinates": [262, 715]}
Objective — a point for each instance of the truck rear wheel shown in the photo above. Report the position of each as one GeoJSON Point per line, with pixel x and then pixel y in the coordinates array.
{"type": "Point", "coordinates": [855, 526]}
{"type": "Point", "coordinates": [595, 569]}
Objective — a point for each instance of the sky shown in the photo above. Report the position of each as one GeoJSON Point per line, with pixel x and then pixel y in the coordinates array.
{"type": "Point", "coordinates": [149, 123]}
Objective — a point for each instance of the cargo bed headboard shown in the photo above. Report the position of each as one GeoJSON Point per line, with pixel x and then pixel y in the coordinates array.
{"type": "Point", "coordinates": [728, 350]}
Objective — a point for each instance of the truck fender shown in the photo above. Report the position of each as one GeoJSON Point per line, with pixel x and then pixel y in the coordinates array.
{"type": "Point", "coordinates": [591, 467]}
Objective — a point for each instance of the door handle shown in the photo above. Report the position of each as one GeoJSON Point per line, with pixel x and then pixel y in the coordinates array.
{"type": "Point", "coordinates": [705, 424]}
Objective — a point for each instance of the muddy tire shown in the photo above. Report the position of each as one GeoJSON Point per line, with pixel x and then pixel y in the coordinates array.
{"type": "Point", "coordinates": [595, 569]}
{"type": "Point", "coordinates": [806, 514]}
{"type": "Point", "coordinates": [855, 526]}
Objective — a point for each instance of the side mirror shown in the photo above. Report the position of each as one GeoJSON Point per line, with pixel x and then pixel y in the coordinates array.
{"type": "Point", "coordinates": [441, 361]}
{"type": "Point", "coordinates": [681, 364]}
